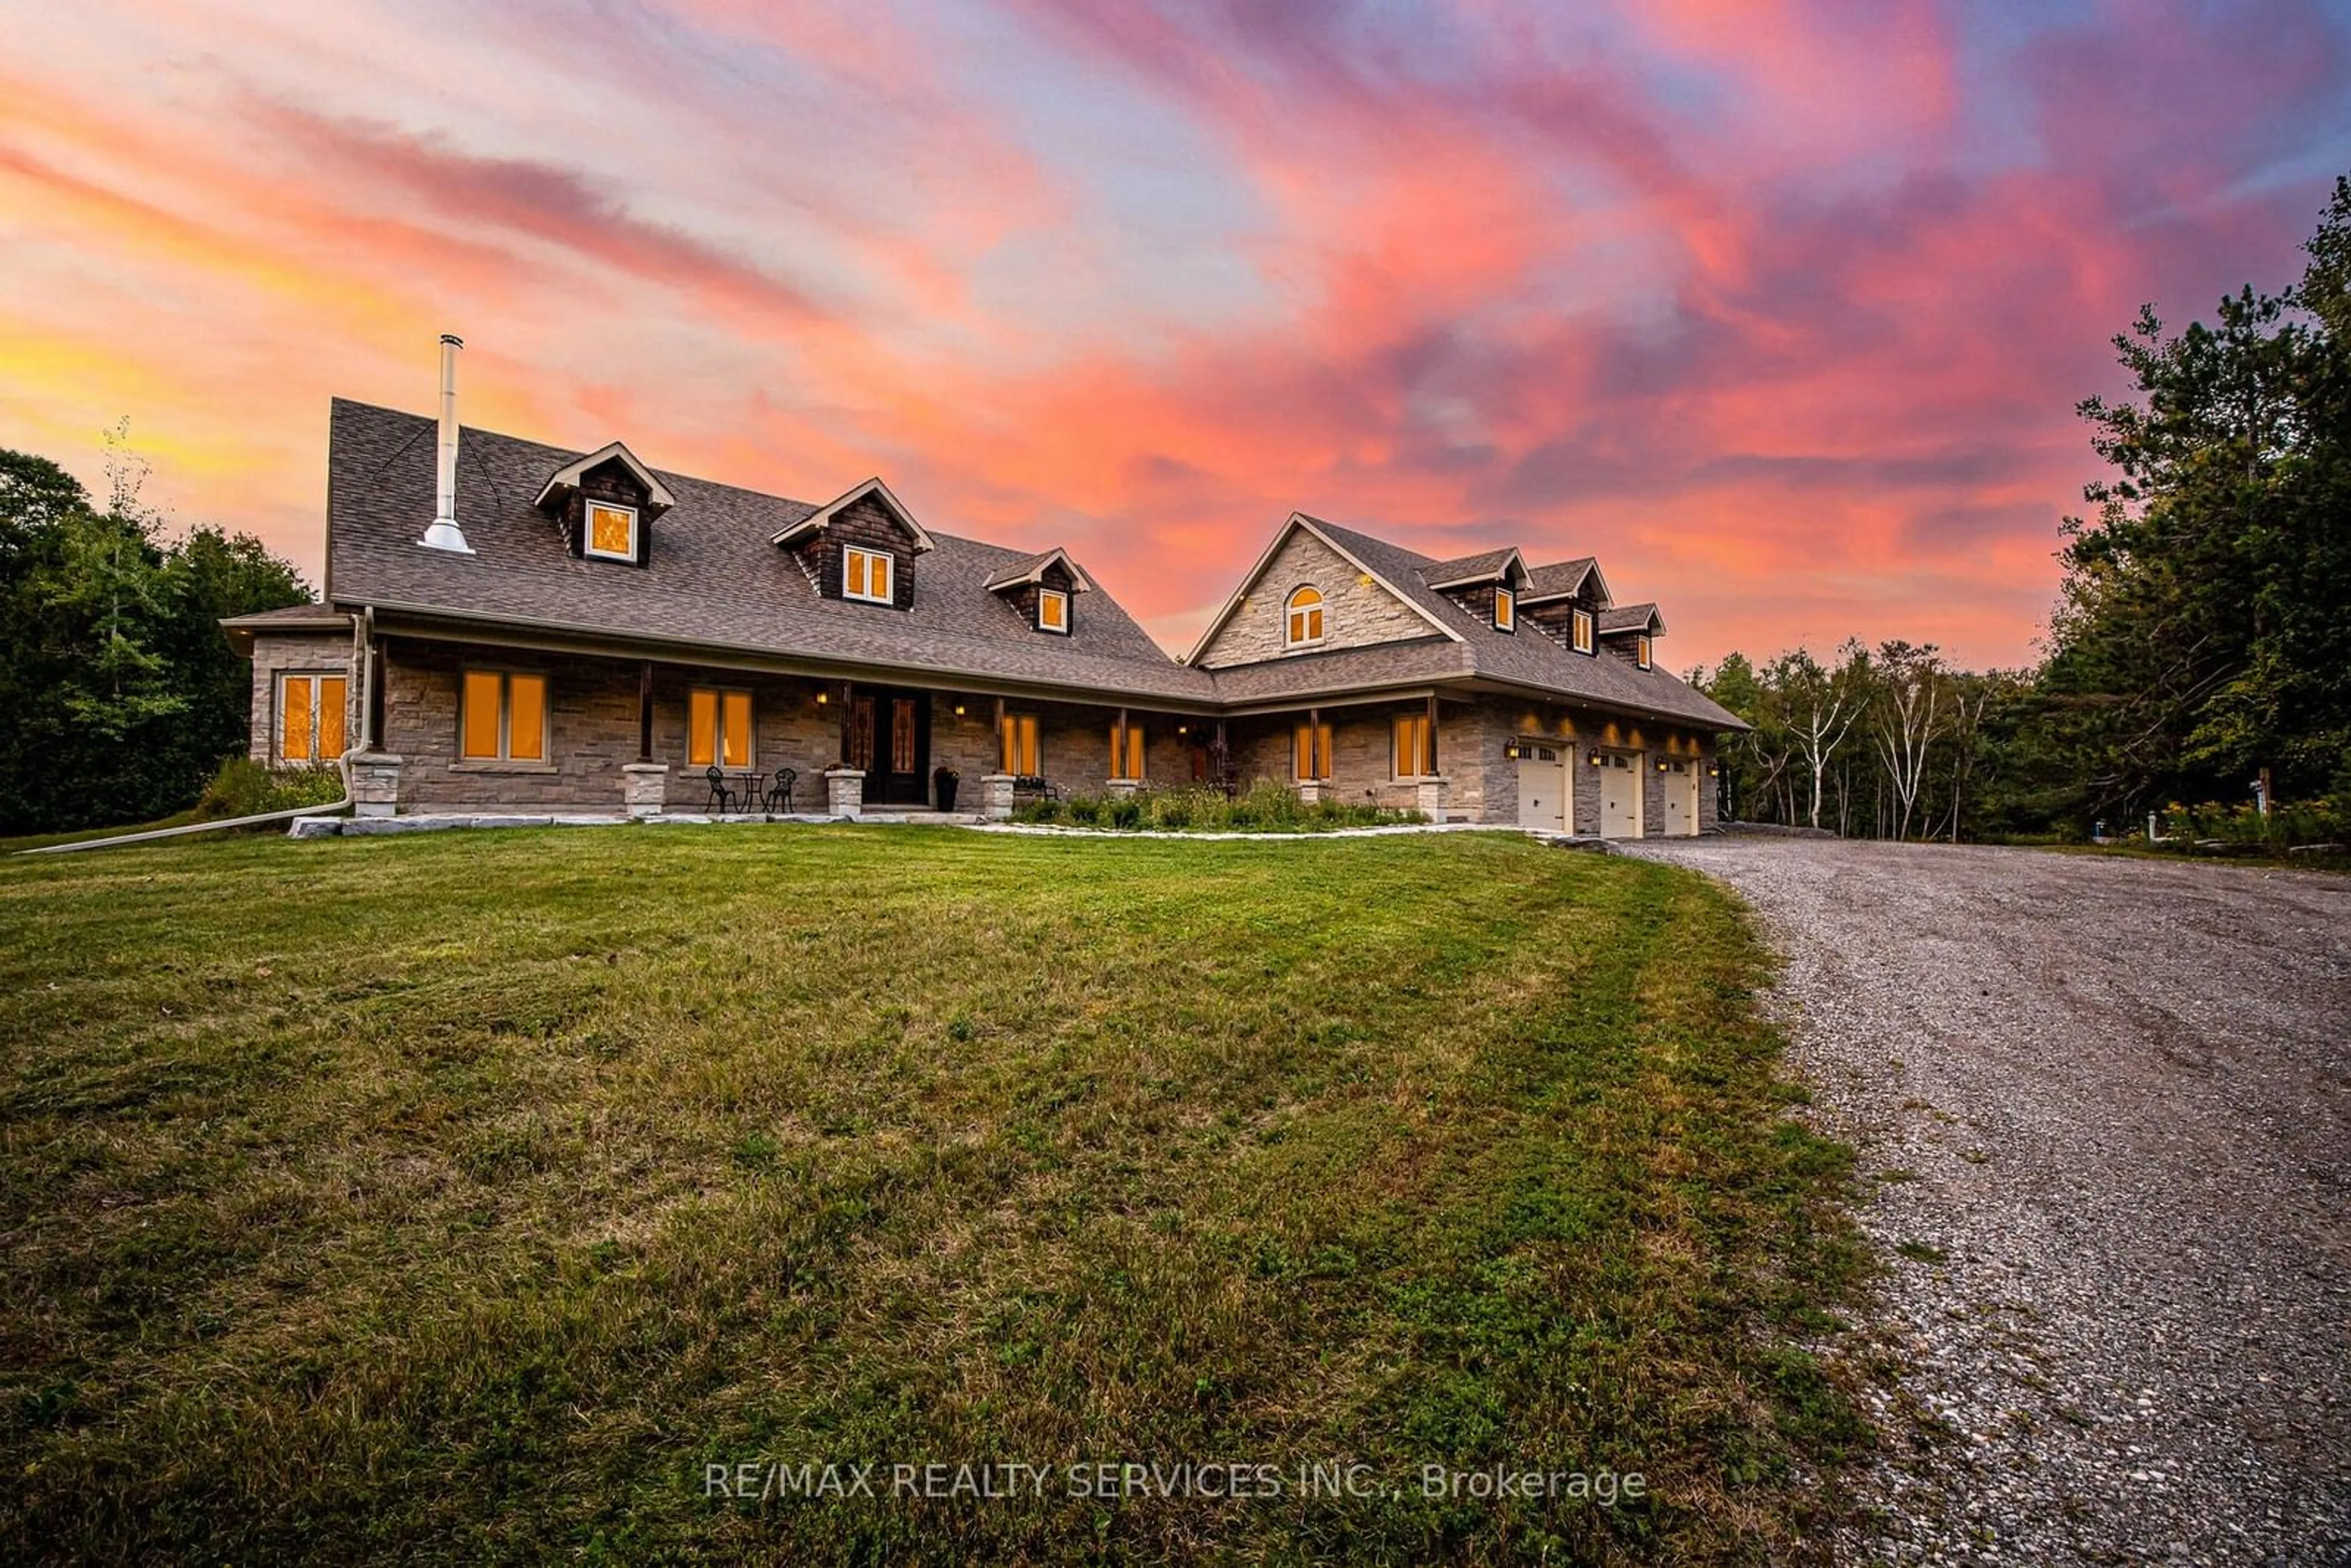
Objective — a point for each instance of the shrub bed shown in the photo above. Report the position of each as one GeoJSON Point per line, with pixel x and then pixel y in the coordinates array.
{"type": "Point", "coordinates": [1265, 808]}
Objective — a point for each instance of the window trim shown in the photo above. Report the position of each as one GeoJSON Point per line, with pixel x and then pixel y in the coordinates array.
{"type": "Point", "coordinates": [1398, 775]}
{"type": "Point", "coordinates": [505, 761]}
{"type": "Point", "coordinates": [1506, 611]}
{"type": "Point", "coordinates": [1291, 610]}
{"type": "Point", "coordinates": [889, 575]}
{"type": "Point", "coordinates": [1586, 635]}
{"type": "Point", "coordinates": [1645, 656]}
{"type": "Point", "coordinates": [1058, 596]}
{"type": "Point", "coordinates": [317, 679]}
{"type": "Point", "coordinates": [587, 530]}
{"type": "Point", "coordinates": [718, 696]}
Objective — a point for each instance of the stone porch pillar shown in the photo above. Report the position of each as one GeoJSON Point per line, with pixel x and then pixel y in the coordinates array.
{"type": "Point", "coordinates": [645, 787]}
{"type": "Point", "coordinates": [1428, 798]}
{"type": "Point", "coordinates": [995, 797]}
{"type": "Point", "coordinates": [375, 784]}
{"type": "Point", "coordinates": [844, 791]}
{"type": "Point", "coordinates": [1117, 786]}
{"type": "Point", "coordinates": [1309, 791]}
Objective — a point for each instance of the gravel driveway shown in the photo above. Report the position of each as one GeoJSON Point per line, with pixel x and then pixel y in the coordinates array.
{"type": "Point", "coordinates": [2103, 1109]}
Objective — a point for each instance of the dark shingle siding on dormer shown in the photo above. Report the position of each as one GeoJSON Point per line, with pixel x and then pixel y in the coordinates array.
{"type": "Point", "coordinates": [868, 524]}
{"type": "Point", "coordinates": [608, 481]}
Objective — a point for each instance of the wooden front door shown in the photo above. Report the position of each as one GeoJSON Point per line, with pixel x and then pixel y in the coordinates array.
{"type": "Point", "coordinates": [890, 737]}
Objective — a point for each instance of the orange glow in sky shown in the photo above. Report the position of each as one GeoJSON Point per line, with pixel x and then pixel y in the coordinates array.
{"type": "Point", "coordinates": [1780, 310]}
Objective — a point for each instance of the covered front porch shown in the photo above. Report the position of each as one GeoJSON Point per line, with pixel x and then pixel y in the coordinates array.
{"type": "Point", "coordinates": [461, 727]}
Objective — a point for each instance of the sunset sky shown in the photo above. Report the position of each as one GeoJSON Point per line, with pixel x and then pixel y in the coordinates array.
{"type": "Point", "coordinates": [1780, 309]}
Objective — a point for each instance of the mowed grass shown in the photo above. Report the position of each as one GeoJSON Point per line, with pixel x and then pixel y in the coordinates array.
{"type": "Point", "coordinates": [462, 1198]}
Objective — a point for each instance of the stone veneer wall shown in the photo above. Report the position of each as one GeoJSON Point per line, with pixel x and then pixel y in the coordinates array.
{"type": "Point", "coordinates": [1356, 612]}
{"type": "Point", "coordinates": [326, 652]}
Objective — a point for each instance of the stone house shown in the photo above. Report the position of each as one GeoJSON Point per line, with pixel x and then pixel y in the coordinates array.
{"type": "Point", "coordinates": [580, 632]}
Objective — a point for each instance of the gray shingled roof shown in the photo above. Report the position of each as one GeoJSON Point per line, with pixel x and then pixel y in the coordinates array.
{"type": "Point", "coordinates": [1528, 657]}
{"type": "Point", "coordinates": [714, 578]}
{"type": "Point", "coordinates": [1628, 617]}
{"type": "Point", "coordinates": [1559, 577]}
{"type": "Point", "coordinates": [1467, 567]}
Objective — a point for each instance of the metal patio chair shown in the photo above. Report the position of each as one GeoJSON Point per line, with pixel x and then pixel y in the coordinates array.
{"type": "Point", "coordinates": [722, 798]}
{"type": "Point", "coordinates": [779, 793]}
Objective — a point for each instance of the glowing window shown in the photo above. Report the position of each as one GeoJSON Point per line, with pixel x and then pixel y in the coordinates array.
{"type": "Point", "coordinates": [865, 574]}
{"type": "Point", "coordinates": [1018, 744]}
{"type": "Point", "coordinates": [311, 713]}
{"type": "Point", "coordinates": [1641, 649]}
{"type": "Point", "coordinates": [1309, 751]}
{"type": "Point", "coordinates": [611, 532]}
{"type": "Point", "coordinates": [1127, 751]}
{"type": "Point", "coordinates": [1052, 610]}
{"type": "Point", "coordinates": [1414, 746]}
{"type": "Point", "coordinates": [1583, 631]}
{"type": "Point", "coordinates": [1506, 611]}
{"type": "Point", "coordinates": [717, 727]}
{"type": "Point", "coordinates": [1304, 626]}
{"type": "Point", "coordinates": [502, 717]}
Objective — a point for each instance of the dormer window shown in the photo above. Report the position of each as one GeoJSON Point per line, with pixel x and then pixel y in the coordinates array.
{"type": "Point", "coordinates": [1506, 611]}
{"type": "Point", "coordinates": [1583, 631]}
{"type": "Point", "coordinates": [611, 532]}
{"type": "Point", "coordinates": [1303, 627]}
{"type": "Point", "coordinates": [1641, 649]}
{"type": "Point", "coordinates": [1053, 612]}
{"type": "Point", "coordinates": [866, 574]}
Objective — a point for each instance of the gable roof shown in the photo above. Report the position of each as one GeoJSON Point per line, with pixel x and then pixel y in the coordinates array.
{"type": "Point", "coordinates": [1536, 659]}
{"type": "Point", "coordinates": [1332, 539]}
{"type": "Point", "coordinates": [714, 580]}
{"type": "Point", "coordinates": [1033, 570]}
{"type": "Point", "coordinates": [1561, 579]}
{"type": "Point", "coordinates": [1632, 618]}
{"type": "Point", "coordinates": [821, 518]}
{"type": "Point", "coordinates": [1464, 570]}
{"type": "Point", "coordinates": [568, 477]}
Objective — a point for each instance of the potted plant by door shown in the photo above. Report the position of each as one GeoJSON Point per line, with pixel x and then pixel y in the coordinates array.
{"type": "Point", "coordinates": [944, 779]}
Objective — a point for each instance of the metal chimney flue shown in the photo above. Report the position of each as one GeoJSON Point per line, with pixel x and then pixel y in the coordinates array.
{"type": "Point", "coordinates": [444, 534]}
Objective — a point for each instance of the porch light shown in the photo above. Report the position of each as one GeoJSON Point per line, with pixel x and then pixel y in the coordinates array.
{"type": "Point", "coordinates": [822, 698]}
{"type": "Point", "coordinates": [1661, 766]}
{"type": "Point", "coordinates": [958, 710]}
{"type": "Point", "coordinates": [1595, 759]}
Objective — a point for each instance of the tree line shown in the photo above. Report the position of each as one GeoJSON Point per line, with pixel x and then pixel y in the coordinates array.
{"type": "Point", "coordinates": [2200, 645]}
{"type": "Point", "coordinates": [120, 698]}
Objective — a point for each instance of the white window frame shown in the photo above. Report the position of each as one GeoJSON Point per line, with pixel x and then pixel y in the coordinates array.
{"type": "Point", "coordinates": [889, 574]}
{"type": "Point", "coordinates": [718, 727]}
{"type": "Point", "coordinates": [317, 679]}
{"type": "Point", "coordinates": [1586, 633]}
{"type": "Point", "coordinates": [587, 530]}
{"type": "Point", "coordinates": [1322, 611]}
{"type": "Point", "coordinates": [1642, 654]}
{"type": "Point", "coordinates": [1061, 597]}
{"type": "Point", "coordinates": [1506, 611]}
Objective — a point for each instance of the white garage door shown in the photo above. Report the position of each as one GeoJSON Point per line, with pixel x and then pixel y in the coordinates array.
{"type": "Point", "coordinates": [1620, 795]}
{"type": "Point", "coordinates": [1542, 789]}
{"type": "Point", "coordinates": [1681, 799]}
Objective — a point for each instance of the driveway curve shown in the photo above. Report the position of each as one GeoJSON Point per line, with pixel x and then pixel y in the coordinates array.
{"type": "Point", "coordinates": [2104, 1110]}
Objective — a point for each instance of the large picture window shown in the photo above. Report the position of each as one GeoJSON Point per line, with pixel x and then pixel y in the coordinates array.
{"type": "Point", "coordinates": [502, 717]}
{"type": "Point", "coordinates": [312, 712]}
{"type": "Point", "coordinates": [1018, 744]}
{"type": "Point", "coordinates": [865, 574]}
{"type": "Point", "coordinates": [1415, 746]}
{"type": "Point", "coordinates": [717, 727]}
{"type": "Point", "coordinates": [1309, 751]}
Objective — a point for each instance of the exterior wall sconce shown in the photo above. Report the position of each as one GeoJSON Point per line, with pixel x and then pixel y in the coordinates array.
{"type": "Point", "coordinates": [958, 710]}
{"type": "Point", "coordinates": [1183, 729]}
{"type": "Point", "coordinates": [1661, 766]}
{"type": "Point", "coordinates": [1596, 759]}
{"type": "Point", "coordinates": [822, 698]}
{"type": "Point", "coordinates": [1714, 772]}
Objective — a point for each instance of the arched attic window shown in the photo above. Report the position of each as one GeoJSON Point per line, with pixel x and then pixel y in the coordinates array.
{"type": "Point", "coordinates": [1303, 623]}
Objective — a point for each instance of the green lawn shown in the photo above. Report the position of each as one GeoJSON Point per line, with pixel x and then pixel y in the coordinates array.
{"type": "Point", "coordinates": [462, 1196]}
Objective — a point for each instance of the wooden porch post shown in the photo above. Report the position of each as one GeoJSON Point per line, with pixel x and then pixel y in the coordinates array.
{"type": "Point", "coordinates": [1003, 760]}
{"type": "Point", "coordinates": [645, 711]}
{"type": "Point", "coordinates": [1118, 747]}
{"type": "Point", "coordinates": [1314, 742]}
{"type": "Point", "coordinates": [1430, 761]}
{"type": "Point", "coordinates": [845, 706]}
